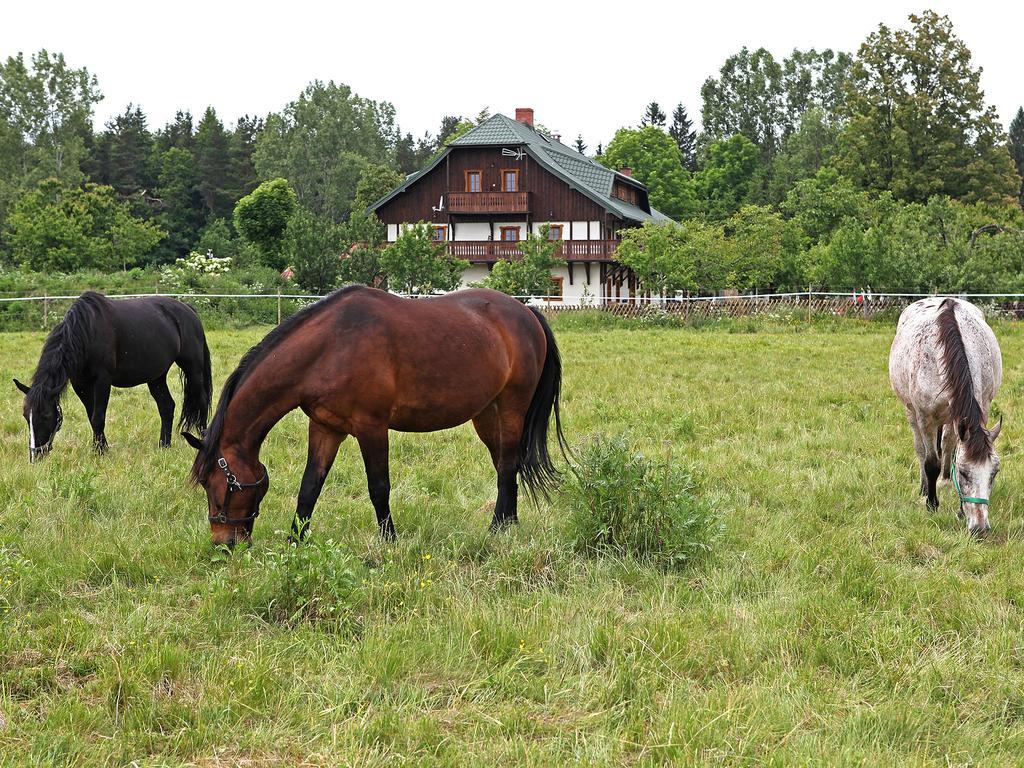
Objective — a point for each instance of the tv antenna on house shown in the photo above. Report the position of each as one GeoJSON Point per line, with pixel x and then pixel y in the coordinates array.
{"type": "Point", "coordinates": [440, 205]}
{"type": "Point", "coordinates": [518, 153]}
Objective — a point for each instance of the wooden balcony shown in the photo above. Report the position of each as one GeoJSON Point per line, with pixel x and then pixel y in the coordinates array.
{"type": "Point", "coordinates": [484, 251]}
{"type": "Point", "coordinates": [488, 202]}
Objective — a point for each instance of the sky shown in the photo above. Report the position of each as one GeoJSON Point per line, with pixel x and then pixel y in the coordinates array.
{"type": "Point", "coordinates": [585, 68]}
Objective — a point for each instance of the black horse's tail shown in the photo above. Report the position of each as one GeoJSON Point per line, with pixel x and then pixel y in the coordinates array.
{"type": "Point", "coordinates": [197, 384]}
{"type": "Point", "coordinates": [534, 461]}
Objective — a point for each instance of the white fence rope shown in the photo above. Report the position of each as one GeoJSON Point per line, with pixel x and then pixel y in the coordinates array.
{"type": "Point", "coordinates": [595, 300]}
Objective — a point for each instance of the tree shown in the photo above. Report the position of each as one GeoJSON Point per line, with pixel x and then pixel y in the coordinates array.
{"type": "Point", "coordinates": [61, 228]}
{"type": "Point", "coordinates": [579, 145]}
{"type": "Point", "coordinates": [763, 250]}
{"type": "Point", "coordinates": [362, 265]}
{"type": "Point", "coordinates": [415, 263]}
{"type": "Point", "coordinates": [726, 182]}
{"type": "Point", "coordinates": [315, 248]}
{"type": "Point", "coordinates": [45, 123]}
{"type": "Point", "coordinates": [531, 274]}
{"type": "Point", "coordinates": [653, 116]}
{"type": "Point", "coordinates": [212, 165]}
{"type": "Point", "coordinates": [129, 146]}
{"type": "Point", "coordinates": [322, 141]}
{"type": "Point", "coordinates": [242, 177]}
{"type": "Point", "coordinates": [685, 137]}
{"type": "Point", "coordinates": [1017, 147]}
{"type": "Point", "coordinates": [177, 133]}
{"type": "Point", "coordinates": [669, 258]}
{"type": "Point", "coordinates": [918, 124]}
{"type": "Point", "coordinates": [374, 182]}
{"type": "Point", "coordinates": [262, 218]}
{"type": "Point", "coordinates": [656, 162]}
{"type": "Point", "coordinates": [763, 99]}
{"type": "Point", "coordinates": [803, 153]}
{"type": "Point", "coordinates": [50, 105]}
{"type": "Point", "coordinates": [180, 207]}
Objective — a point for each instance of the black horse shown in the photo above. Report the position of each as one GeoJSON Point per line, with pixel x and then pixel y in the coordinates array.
{"type": "Point", "coordinates": [102, 343]}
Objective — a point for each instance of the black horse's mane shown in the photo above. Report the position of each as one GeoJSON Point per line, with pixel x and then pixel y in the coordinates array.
{"type": "Point", "coordinates": [208, 454]}
{"type": "Point", "coordinates": [65, 349]}
{"type": "Point", "coordinates": [965, 412]}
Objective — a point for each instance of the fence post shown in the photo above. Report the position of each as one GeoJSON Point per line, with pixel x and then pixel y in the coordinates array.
{"type": "Point", "coordinates": [865, 302]}
{"type": "Point", "coordinates": [808, 303]}
{"type": "Point", "coordinates": [278, 306]}
{"type": "Point", "coordinates": [46, 311]}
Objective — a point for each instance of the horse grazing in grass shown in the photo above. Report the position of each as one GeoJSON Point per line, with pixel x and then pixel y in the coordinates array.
{"type": "Point", "coordinates": [361, 362]}
{"type": "Point", "coordinates": [946, 367]}
{"type": "Point", "coordinates": [102, 344]}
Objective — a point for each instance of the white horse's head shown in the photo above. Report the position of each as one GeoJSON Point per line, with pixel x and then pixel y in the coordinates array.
{"type": "Point", "coordinates": [976, 465]}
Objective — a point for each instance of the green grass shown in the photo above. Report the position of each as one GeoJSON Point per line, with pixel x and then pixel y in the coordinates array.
{"type": "Point", "coordinates": [837, 621]}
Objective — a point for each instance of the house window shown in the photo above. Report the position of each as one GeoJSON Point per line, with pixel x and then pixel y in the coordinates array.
{"type": "Point", "coordinates": [509, 234]}
{"type": "Point", "coordinates": [555, 232]}
{"type": "Point", "coordinates": [555, 292]}
{"type": "Point", "coordinates": [474, 181]}
{"type": "Point", "coordinates": [510, 180]}
{"type": "Point", "coordinates": [440, 233]}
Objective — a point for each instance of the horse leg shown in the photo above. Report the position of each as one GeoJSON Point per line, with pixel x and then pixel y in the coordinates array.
{"type": "Point", "coordinates": [165, 405]}
{"type": "Point", "coordinates": [931, 463]}
{"type": "Point", "coordinates": [919, 448]}
{"type": "Point", "coordinates": [374, 447]}
{"type": "Point", "coordinates": [101, 395]}
{"type": "Point", "coordinates": [947, 444]}
{"type": "Point", "coordinates": [501, 434]}
{"type": "Point", "coordinates": [323, 447]}
{"type": "Point", "coordinates": [84, 391]}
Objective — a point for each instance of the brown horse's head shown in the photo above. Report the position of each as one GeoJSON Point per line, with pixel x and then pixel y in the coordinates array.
{"type": "Point", "coordinates": [233, 493]}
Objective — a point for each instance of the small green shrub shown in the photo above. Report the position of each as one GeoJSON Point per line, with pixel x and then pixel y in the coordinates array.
{"type": "Point", "coordinates": [621, 502]}
{"type": "Point", "coordinates": [315, 582]}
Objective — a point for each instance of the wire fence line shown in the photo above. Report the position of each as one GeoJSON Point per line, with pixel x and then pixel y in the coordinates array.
{"type": "Point", "coordinates": [43, 310]}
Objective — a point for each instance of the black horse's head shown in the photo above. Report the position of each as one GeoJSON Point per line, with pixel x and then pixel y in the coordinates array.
{"type": "Point", "coordinates": [44, 418]}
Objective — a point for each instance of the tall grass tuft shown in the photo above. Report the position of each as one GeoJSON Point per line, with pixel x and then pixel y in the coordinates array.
{"type": "Point", "coordinates": [623, 503]}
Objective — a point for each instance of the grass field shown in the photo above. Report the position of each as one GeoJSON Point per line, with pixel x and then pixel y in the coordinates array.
{"type": "Point", "coordinates": [837, 622]}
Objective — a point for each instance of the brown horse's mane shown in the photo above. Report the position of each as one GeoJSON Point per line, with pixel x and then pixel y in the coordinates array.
{"type": "Point", "coordinates": [965, 413]}
{"type": "Point", "coordinates": [208, 455]}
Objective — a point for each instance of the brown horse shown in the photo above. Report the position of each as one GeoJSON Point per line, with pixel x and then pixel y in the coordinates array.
{"type": "Point", "coordinates": [361, 362]}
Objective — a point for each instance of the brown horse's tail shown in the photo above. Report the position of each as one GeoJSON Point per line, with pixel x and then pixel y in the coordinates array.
{"type": "Point", "coordinates": [534, 463]}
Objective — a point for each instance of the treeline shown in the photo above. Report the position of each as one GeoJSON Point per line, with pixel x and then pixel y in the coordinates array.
{"type": "Point", "coordinates": [884, 168]}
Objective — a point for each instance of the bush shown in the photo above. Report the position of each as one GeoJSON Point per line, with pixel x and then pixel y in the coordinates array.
{"type": "Point", "coordinates": [621, 502]}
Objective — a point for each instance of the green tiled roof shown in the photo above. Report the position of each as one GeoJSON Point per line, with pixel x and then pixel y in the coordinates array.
{"type": "Point", "coordinates": [580, 172]}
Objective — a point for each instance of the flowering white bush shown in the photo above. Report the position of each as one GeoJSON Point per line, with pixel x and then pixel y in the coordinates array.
{"type": "Point", "coordinates": [185, 273]}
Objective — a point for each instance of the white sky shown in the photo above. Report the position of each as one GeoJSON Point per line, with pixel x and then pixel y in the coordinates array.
{"type": "Point", "coordinates": [585, 67]}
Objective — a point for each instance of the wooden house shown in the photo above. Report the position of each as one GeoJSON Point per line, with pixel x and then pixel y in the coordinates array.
{"type": "Point", "coordinates": [503, 179]}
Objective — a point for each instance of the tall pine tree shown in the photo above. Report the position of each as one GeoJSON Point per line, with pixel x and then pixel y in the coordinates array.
{"type": "Point", "coordinates": [580, 146]}
{"type": "Point", "coordinates": [654, 116]}
{"type": "Point", "coordinates": [128, 146]}
{"type": "Point", "coordinates": [212, 166]}
{"type": "Point", "coordinates": [1017, 147]}
{"type": "Point", "coordinates": [686, 138]}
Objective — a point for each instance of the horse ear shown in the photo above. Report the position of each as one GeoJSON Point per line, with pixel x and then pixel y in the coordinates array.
{"type": "Point", "coordinates": [192, 440]}
{"type": "Point", "coordinates": [994, 432]}
{"type": "Point", "coordinates": [21, 386]}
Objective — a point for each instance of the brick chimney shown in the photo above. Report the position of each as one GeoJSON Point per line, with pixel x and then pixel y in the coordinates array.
{"type": "Point", "coordinates": [524, 115]}
{"type": "Point", "coordinates": [626, 171]}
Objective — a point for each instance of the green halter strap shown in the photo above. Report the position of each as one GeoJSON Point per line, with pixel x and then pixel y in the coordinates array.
{"type": "Point", "coordinates": [956, 484]}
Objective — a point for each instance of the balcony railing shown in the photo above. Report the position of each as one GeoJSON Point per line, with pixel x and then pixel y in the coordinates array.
{"type": "Point", "coordinates": [570, 250]}
{"type": "Point", "coordinates": [488, 202]}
